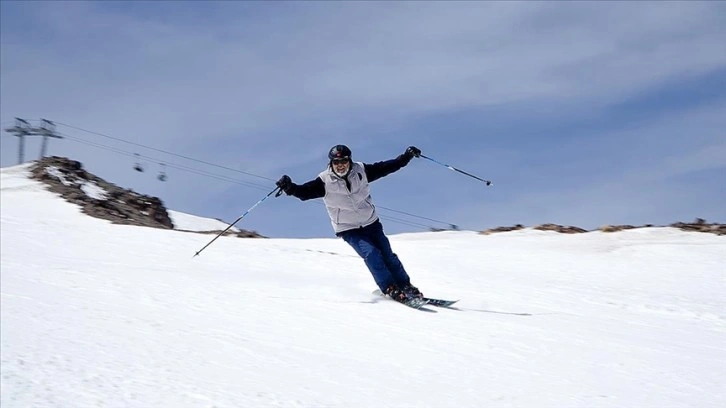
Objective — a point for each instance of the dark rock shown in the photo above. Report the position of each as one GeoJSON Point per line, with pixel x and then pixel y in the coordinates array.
{"type": "Point", "coordinates": [120, 206]}
{"type": "Point", "coordinates": [560, 228]}
{"type": "Point", "coordinates": [67, 178]}
{"type": "Point", "coordinates": [700, 225]}
{"type": "Point", "coordinates": [502, 229]}
{"type": "Point", "coordinates": [615, 228]}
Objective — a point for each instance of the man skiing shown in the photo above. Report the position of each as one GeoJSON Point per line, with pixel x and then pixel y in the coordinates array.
{"type": "Point", "coordinates": [344, 187]}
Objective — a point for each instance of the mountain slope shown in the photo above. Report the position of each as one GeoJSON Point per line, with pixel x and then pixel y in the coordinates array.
{"type": "Point", "coordinates": [96, 314]}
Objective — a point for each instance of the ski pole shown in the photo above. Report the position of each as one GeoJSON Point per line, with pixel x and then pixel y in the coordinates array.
{"type": "Point", "coordinates": [487, 182]}
{"type": "Point", "coordinates": [237, 220]}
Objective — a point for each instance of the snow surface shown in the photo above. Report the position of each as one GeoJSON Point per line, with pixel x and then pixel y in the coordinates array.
{"type": "Point", "coordinates": [93, 190]}
{"type": "Point", "coordinates": [188, 222]}
{"type": "Point", "coordinates": [96, 314]}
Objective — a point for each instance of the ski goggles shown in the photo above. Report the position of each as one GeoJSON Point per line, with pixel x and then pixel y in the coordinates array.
{"type": "Point", "coordinates": [342, 160]}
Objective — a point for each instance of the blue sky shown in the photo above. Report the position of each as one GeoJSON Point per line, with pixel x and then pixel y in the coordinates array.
{"type": "Point", "coordinates": [581, 113]}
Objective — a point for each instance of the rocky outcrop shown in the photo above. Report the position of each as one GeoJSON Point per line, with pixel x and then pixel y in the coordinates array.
{"type": "Point", "coordinates": [616, 228]}
{"type": "Point", "coordinates": [699, 225]}
{"type": "Point", "coordinates": [503, 229]}
{"type": "Point", "coordinates": [560, 228]}
{"type": "Point", "coordinates": [101, 199]}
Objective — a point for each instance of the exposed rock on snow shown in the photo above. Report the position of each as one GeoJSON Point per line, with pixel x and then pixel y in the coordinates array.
{"type": "Point", "coordinates": [101, 199]}
{"type": "Point", "coordinates": [503, 229]}
{"type": "Point", "coordinates": [559, 228]}
{"type": "Point", "coordinates": [699, 225]}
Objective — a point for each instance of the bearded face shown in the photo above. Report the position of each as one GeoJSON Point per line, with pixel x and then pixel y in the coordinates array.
{"type": "Point", "coordinates": [341, 166]}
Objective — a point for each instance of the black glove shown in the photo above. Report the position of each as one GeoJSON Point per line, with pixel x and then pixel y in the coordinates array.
{"type": "Point", "coordinates": [285, 184]}
{"type": "Point", "coordinates": [412, 152]}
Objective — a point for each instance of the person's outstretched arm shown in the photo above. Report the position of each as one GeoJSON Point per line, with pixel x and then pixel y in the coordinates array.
{"type": "Point", "coordinates": [307, 191]}
{"type": "Point", "coordinates": [383, 168]}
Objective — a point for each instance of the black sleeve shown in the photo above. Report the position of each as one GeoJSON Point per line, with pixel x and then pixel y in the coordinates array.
{"type": "Point", "coordinates": [307, 191]}
{"type": "Point", "coordinates": [383, 168]}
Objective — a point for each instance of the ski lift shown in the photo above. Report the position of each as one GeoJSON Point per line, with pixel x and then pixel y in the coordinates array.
{"type": "Point", "coordinates": [137, 166]}
{"type": "Point", "coordinates": [162, 173]}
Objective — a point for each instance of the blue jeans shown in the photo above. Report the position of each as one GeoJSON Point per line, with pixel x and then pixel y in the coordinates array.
{"type": "Point", "coordinates": [372, 245]}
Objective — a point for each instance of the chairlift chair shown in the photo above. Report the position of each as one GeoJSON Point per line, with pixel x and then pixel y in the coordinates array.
{"type": "Point", "coordinates": [137, 166]}
{"type": "Point", "coordinates": [162, 173]}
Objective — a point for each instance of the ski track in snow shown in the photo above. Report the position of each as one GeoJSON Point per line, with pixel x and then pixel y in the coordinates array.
{"type": "Point", "coordinates": [95, 314]}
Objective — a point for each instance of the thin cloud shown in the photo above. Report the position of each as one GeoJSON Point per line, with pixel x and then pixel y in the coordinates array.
{"type": "Point", "coordinates": [241, 83]}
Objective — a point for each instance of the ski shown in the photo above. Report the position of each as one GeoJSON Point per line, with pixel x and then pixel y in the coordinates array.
{"type": "Point", "coordinates": [418, 303]}
{"type": "Point", "coordinates": [414, 303]}
{"type": "Point", "coordinates": [439, 302]}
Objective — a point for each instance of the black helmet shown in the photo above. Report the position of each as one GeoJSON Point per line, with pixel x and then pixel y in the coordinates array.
{"type": "Point", "coordinates": [339, 151]}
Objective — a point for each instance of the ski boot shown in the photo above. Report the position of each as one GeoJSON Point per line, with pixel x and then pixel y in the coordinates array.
{"type": "Point", "coordinates": [412, 291]}
{"type": "Point", "coordinates": [396, 294]}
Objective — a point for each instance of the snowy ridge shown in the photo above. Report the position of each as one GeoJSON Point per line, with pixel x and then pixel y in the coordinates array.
{"type": "Point", "coordinates": [189, 222]}
{"type": "Point", "coordinates": [96, 314]}
{"type": "Point", "coordinates": [92, 189]}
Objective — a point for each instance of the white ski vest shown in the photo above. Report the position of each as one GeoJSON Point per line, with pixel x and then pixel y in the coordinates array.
{"type": "Point", "coordinates": [348, 209]}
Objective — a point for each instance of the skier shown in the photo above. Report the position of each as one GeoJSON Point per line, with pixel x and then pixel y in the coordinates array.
{"type": "Point", "coordinates": [344, 187]}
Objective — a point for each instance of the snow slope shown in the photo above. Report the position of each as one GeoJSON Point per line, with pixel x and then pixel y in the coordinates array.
{"type": "Point", "coordinates": [189, 222]}
{"type": "Point", "coordinates": [95, 314]}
